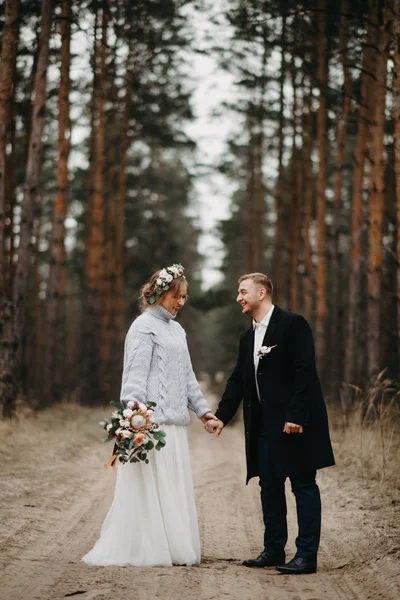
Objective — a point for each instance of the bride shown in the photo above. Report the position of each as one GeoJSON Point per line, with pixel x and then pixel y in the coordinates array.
{"type": "Point", "coordinates": [152, 520]}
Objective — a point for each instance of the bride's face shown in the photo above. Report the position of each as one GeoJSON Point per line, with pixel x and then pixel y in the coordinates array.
{"type": "Point", "coordinates": [172, 302]}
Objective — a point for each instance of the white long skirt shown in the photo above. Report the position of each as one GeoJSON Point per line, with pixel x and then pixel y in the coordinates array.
{"type": "Point", "coordinates": [152, 520]}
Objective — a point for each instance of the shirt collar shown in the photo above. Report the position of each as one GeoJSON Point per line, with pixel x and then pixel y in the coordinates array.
{"type": "Point", "coordinates": [265, 320]}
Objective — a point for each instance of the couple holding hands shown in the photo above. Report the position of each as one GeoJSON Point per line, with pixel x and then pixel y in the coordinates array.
{"type": "Point", "coordinates": [152, 520]}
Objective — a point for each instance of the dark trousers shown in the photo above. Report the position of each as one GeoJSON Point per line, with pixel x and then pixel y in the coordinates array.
{"type": "Point", "coordinates": [273, 500]}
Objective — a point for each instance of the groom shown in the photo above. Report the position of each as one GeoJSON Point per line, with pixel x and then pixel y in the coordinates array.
{"type": "Point", "coordinates": [285, 420]}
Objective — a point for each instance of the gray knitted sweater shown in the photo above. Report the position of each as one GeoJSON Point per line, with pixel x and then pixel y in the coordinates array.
{"type": "Point", "coordinates": [157, 368]}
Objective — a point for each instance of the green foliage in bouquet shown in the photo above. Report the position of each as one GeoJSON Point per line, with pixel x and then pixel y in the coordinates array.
{"type": "Point", "coordinates": [134, 432]}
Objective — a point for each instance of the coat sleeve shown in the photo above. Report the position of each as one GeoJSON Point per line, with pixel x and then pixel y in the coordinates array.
{"type": "Point", "coordinates": [302, 357]}
{"type": "Point", "coordinates": [138, 352]}
{"type": "Point", "coordinates": [233, 394]}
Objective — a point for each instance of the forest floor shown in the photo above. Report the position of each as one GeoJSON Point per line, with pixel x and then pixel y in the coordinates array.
{"type": "Point", "coordinates": [55, 494]}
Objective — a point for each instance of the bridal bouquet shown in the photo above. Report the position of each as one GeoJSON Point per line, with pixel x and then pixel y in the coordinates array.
{"type": "Point", "coordinates": [133, 431]}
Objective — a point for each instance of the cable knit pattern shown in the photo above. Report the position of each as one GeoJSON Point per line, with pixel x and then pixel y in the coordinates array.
{"type": "Point", "coordinates": [157, 368]}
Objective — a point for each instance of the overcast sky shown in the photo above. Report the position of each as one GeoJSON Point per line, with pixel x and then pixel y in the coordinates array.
{"type": "Point", "coordinates": [211, 87]}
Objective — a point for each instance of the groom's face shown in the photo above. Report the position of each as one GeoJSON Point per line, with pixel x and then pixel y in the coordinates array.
{"type": "Point", "coordinates": [249, 296]}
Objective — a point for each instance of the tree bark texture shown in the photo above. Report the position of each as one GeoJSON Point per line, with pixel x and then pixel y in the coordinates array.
{"type": "Point", "coordinates": [396, 122]}
{"type": "Point", "coordinates": [7, 71]}
{"type": "Point", "coordinates": [120, 208]}
{"type": "Point", "coordinates": [308, 143]}
{"type": "Point", "coordinates": [56, 309]}
{"type": "Point", "coordinates": [95, 334]}
{"type": "Point", "coordinates": [250, 199]}
{"type": "Point", "coordinates": [294, 208]}
{"type": "Point", "coordinates": [351, 374]}
{"type": "Point", "coordinates": [33, 164]}
{"type": "Point", "coordinates": [377, 199]}
{"type": "Point", "coordinates": [279, 193]}
{"type": "Point", "coordinates": [341, 137]}
{"type": "Point", "coordinates": [320, 278]}
{"type": "Point", "coordinates": [8, 344]}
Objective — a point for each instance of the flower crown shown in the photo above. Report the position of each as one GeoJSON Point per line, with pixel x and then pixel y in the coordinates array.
{"type": "Point", "coordinates": [165, 277]}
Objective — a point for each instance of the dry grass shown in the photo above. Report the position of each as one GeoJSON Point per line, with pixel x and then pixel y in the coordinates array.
{"type": "Point", "coordinates": [367, 433]}
{"type": "Point", "coordinates": [35, 431]}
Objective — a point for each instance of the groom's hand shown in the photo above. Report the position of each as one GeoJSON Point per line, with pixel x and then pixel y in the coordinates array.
{"type": "Point", "coordinates": [214, 426]}
{"type": "Point", "coordinates": [292, 428]}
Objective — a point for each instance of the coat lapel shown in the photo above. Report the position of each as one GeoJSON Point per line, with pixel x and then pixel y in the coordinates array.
{"type": "Point", "coordinates": [275, 318]}
{"type": "Point", "coordinates": [250, 354]}
{"type": "Point", "coordinates": [250, 346]}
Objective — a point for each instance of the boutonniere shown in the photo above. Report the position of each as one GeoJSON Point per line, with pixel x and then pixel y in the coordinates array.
{"type": "Point", "coordinates": [264, 350]}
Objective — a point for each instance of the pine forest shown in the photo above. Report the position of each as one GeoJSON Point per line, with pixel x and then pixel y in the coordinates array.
{"type": "Point", "coordinates": [152, 152]}
{"type": "Point", "coordinates": [99, 183]}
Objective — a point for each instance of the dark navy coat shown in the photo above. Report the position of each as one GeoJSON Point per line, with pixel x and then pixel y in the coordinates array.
{"type": "Point", "coordinates": [290, 391]}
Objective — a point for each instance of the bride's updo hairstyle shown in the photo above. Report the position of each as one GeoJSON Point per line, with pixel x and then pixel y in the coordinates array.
{"type": "Point", "coordinates": [157, 286]}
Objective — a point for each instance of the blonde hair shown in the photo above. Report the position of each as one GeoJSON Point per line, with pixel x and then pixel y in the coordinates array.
{"type": "Point", "coordinates": [259, 278]}
{"type": "Point", "coordinates": [149, 290]}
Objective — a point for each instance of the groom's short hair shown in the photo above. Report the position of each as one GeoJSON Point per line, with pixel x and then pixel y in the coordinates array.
{"type": "Point", "coordinates": [260, 278]}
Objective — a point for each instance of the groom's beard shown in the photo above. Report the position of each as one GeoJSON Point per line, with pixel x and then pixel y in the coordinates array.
{"type": "Point", "coordinates": [248, 309]}
{"type": "Point", "coordinates": [244, 308]}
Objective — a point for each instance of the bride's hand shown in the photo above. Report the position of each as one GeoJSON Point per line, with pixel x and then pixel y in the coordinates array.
{"type": "Point", "coordinates": [207, 417]}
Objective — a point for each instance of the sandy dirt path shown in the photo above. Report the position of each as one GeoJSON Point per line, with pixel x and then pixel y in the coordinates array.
{"type": "Point", "coordinates": [55, 493]}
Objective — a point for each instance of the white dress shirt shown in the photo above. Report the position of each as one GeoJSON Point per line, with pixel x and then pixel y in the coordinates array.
{"type": "Point", "coordinates": [259, 334]}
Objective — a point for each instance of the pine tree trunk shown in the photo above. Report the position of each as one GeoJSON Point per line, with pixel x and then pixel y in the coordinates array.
{"type": "Point", "coordinates": [99, 207]}
{"type": "Point", "coordinates": [110, 203]}
{"type": "Point", "coordinates": [259, 193]}
{"type": "Point", "coordinates": [10, 191]}
{"type": "Point", "coordinates": [108, 359]}
{"type": "Point", "coordinates": [341, 136]}
{"type": "Point", "coordinates": [351, 373]}
{"type": "Point", "coordinates": [75, 324]}
{"type": "Point", "coordinates": [120, 215]}
{"type": "Point", "coordinates": [90, 172]}
{"type": "Point", "coordinates": [8, 383]}
{"type": "Point", "coordinates": [389, 326]}
{"type": "Point", "coordinates": [89, 338]}
{"type": "Point", "coordinates": [33, 343]}
{"type": "Point", "coordinates": [377, 202]}
{"type": "Point", "coordinates": [95, 250]}
{"type": "Point", "coordinates": [7, 69]}
{"type": "Point", "coordinates": [293, 241]}
{"type": "Point", "coordinates": [279, 194]}
{"type": "Point", "coordinates": [250, 200]}
{"type": "Point", "coordinates": [258, 224]}
{"type": "Point", "coordinates": [109, 254]}
{"type": "Point", "coordinates": [320, 279]}
{"type": "Point", "coordinates": [254, 202]}
{"type": "Point", "coordinates": [396, 122]}
{"type": "Point", "coordinates": [308, 204]}
{"type": "Point", "coordinates": [56, 312]}
{"type": "Point", "coordinates": [33, 163]}
{"type": "Point", "coordinates": [31, 181]}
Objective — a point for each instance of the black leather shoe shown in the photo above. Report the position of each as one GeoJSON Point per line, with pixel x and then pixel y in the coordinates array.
{"type": "Point", "coordinates": [267, 558]}
{"type": "Point", "coordinates": [298, 566]}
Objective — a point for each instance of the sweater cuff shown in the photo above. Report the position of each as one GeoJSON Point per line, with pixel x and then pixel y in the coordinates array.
{"type": "Point", "coordinates": [200, 412]}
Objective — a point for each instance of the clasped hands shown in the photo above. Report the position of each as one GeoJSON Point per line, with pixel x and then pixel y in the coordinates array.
{"type": "Point", "coordinates": [212, 424]}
